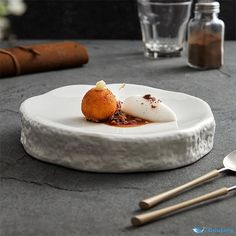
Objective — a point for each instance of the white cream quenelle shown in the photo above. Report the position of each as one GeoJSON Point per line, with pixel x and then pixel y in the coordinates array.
{"type": "Point", "coordinates": [148, 108]}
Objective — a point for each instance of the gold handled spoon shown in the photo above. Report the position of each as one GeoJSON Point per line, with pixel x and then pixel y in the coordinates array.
{"type": "Point", "coordinates": [229, 163]}
{"type": "Point", "coordinates": [154, 215]}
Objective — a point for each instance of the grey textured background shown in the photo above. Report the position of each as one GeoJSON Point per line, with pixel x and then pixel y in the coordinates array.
{"type": "Point", "coordinates": [93, 19]}
{"type": "Point", "coordinates": [37, 198]}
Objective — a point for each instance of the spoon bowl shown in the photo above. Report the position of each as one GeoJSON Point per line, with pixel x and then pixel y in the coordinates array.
{"type": "Point", "coordinates": [230, 161]}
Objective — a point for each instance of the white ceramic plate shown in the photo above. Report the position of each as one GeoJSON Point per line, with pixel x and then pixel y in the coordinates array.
{"type": "Point", "coordinates": [54, 130]}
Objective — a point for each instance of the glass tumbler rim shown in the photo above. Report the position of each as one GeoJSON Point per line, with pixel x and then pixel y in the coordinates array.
{"type": "Point", "coordinates": [158, 2]}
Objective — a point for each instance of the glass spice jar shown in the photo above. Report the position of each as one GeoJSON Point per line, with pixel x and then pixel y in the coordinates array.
{"type": "Point", "coordinates": [206, 37]}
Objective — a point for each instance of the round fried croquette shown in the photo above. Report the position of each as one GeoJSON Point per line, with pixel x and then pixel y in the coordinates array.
{"type": "Point", "coordinates": [98, 104]}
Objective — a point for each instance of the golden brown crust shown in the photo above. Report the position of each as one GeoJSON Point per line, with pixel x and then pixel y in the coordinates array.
{"type": "Point", "coordinates": [98, 105]}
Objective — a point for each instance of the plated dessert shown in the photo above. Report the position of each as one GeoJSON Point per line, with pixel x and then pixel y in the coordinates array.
{"type": "Point", "coordinates": [114, 128]}
{"type": "Point", "coordinates": [100, 105]}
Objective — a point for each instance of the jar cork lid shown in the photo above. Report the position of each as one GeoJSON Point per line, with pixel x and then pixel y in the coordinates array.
{"type": "Point", "coordinates": [207, 7]}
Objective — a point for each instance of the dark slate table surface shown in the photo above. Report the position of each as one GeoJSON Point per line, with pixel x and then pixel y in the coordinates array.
{"type": "Point", "coordinates": [37, 198]}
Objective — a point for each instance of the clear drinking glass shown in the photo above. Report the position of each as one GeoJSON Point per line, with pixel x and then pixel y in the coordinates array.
{"type": "Point", "coordinates": [163, 25]}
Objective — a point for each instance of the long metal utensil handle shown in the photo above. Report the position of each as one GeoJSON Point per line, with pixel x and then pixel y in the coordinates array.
{"type": "Point", "coordinates": [154, 215]}
{"type": "Point", "coordinates": [152, 201]}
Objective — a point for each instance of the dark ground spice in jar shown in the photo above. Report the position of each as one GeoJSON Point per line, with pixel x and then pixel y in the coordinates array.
{"type": "Point", "coordinates": [206, 36]}
{"type": "Point", "coordinates": [205, 50]}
